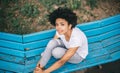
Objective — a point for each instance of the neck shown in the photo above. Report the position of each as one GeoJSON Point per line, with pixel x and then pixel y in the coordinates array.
{"type": "Point", "coordinates": [68, 35]}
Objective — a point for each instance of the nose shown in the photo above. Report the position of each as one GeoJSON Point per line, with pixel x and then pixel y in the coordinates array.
{"type": "Point", "coordinates": [58, 27]}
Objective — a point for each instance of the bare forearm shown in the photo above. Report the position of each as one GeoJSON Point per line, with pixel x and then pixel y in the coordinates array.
{"type": "Point", "coordinates": [64, 59]}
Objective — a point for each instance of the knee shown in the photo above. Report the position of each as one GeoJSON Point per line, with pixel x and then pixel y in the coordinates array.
{"type": "Point", "coordinates": [52, 42]}
{"type": "Point", "coordinates": [58, 52]}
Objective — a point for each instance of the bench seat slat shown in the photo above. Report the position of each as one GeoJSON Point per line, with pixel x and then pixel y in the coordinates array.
{"type": "Point", "coordinates": [68, 67]}
{"type": "Point", "coordinates": [93, 46]}
{"type": "Point", "coordinates": [115, 55]}
{"type": "Point", "coordinates": [5, 71]}
{"type": "Point", "coordinates": [94, 53]}
{"type": "Point", "coordinates": [82, 65]}
{"type": "Point", "coordinates": [113, 48]}
{"type": "Point", "coordinates": [11, 58]}
{"type": "Point", "coordinates": [111, 40]}
{"type": "Point", "coordinates": [11, 66]}
{"type": "Point", "coordinates": [109, 34]}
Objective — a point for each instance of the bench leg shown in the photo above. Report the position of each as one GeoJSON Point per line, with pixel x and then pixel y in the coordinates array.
{"type": "Point", "coordinates": [100, 66]}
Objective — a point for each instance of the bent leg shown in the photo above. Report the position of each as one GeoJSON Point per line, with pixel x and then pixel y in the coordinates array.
{"type": "Point", "coordinates": [58, 52]}
{"type": "Point", "coordinates": [48, 51]}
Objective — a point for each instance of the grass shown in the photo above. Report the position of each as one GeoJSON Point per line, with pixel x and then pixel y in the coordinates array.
{"type": "Point", "coordinates": [28, 16]}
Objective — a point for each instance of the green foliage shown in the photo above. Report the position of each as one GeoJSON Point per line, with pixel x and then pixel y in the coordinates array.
{"type": "Point", "coordinates": [23, 16]}
{"type": "Point", "coordinates": [19, 26]}
{"type": "Point", "coordinates": [11, 20]}
{"type": "Point", "coordinates": [29, 10]}
{"type": "Point", "coordinates": [74, 4]}
{"type": "Point", "coordinates": [6, 2]}
{"type": "Point", "coordinates": [92, 3]}
{"type": "Point", "coordinates": [2, 26]}
{"type": "Point", "coordinates": [49, 4]}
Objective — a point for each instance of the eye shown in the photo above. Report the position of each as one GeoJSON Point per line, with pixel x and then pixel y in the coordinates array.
{"type": "Point", "coordinates": [62, 24]}
{"type": "Point", "coordinates": [56, 24]}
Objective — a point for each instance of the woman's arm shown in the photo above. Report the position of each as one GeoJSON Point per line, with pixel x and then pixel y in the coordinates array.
{"type": "Point", "coordinates": [64, 59]}
{"type": "Point", "coordinates": [56, 37]}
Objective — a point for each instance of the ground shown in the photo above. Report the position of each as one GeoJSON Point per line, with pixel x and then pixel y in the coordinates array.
{"type": "Point", "coordinates": [112, 67]}
{"type": "Point", "coordinates": [28, 16]}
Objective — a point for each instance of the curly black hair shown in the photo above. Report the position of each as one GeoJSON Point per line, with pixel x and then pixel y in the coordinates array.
{"type": "Point", "coordinates": [63, 13]}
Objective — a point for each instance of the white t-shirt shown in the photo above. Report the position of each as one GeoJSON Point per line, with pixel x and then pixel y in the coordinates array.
{"type": "Point", "coordinates": [77, 39]}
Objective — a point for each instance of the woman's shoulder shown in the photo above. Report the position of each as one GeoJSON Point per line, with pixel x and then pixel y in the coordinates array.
{"type": "Point", "coordinates": [77, 30]}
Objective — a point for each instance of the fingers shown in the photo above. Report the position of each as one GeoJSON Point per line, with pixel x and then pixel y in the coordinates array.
{"type": "Point", "coordinates": [37, 68]}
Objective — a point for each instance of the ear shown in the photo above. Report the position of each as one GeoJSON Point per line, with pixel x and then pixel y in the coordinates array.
{"type": "Point", "coordinates": [70, 26]}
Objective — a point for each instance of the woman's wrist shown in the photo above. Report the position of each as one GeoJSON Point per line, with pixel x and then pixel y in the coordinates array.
{"type": "Point", "coordinates": [46, 71]}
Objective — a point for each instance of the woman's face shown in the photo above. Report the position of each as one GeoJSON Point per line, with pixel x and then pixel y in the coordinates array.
{"type": "Point", "coordinates": [62, 26]}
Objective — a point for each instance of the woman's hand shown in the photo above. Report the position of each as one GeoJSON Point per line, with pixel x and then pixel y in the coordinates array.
{"type": "Point", "coordinates": [38, 70]}
{"type": "Point", "coordinates": [45, 71]}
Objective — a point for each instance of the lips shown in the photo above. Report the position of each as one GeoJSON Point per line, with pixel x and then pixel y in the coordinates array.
{"type": "Point", "coordinates": [60, 31]}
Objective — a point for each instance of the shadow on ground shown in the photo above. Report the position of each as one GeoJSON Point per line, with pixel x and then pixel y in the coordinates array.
{"type": "Point", "coordinates": [112, 67]}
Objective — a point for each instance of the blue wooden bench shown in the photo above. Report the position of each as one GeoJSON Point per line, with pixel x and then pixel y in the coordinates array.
{"type": "Point", "coordinates": [20, 53]}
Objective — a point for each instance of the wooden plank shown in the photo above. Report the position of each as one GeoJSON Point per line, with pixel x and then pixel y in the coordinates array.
{"type": "Point", "coordinates": [113, 48]}
{"type": "Point", "coordinates": [11, 37]}
{"type": "Point", "coordinates": [4, 71]}
{"type": "Point", "coordinates": [91, 25]}
{"type": "Point", "coordinates": [110, 20]}
{"type": "Point", "coordinates": [12, 52]}
{"type": "Point", "coordinates": [109, 34]}
{"type": "Point", "coordinates": [43, 43]}
{"type": "Point", "coordinates": [11, 58]}
{"type": "Point", "coordinates": [34, 52]}
{"type": "Point", "coordinates": [85, 64]}
{"type": "Point", "coordinates": [94, 46]}
{"type": "Point", "coordinates": [94, 53]}
{"type": "Point", "coordinates": [40, 50]}
{"type": "Point", "coordinates": [97, 53]}
{"type": "Point", "coordinates": [36, 44]}
{"type": "Point", "coordinates": [110, 27]}
{"type": "Point", "coordinates": [38, 36]}
{"type": "Point", "coordinates": [110, 41]}
{"type": "Point", "coordinates": [115, 55]}
{"type": "Point", "coordinates": [93, 39]}
{"type": "Point", "coordinates": [31, 60]}
{"type": "Point", "coordinates": [98, 31]}
{"type": "Point", "coordinates": [11, 44]}
{"type": "Point", "coordinates": [11, 66]}
{"type": "Point", "coordinates": [93, 32]}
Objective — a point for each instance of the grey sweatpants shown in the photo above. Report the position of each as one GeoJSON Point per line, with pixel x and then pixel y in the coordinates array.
{"type": "Point", "coordinates": [57, 49]}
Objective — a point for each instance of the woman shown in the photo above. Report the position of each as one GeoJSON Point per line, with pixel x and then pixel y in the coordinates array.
{"type": "Point", "coordinates": [69, 43]}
